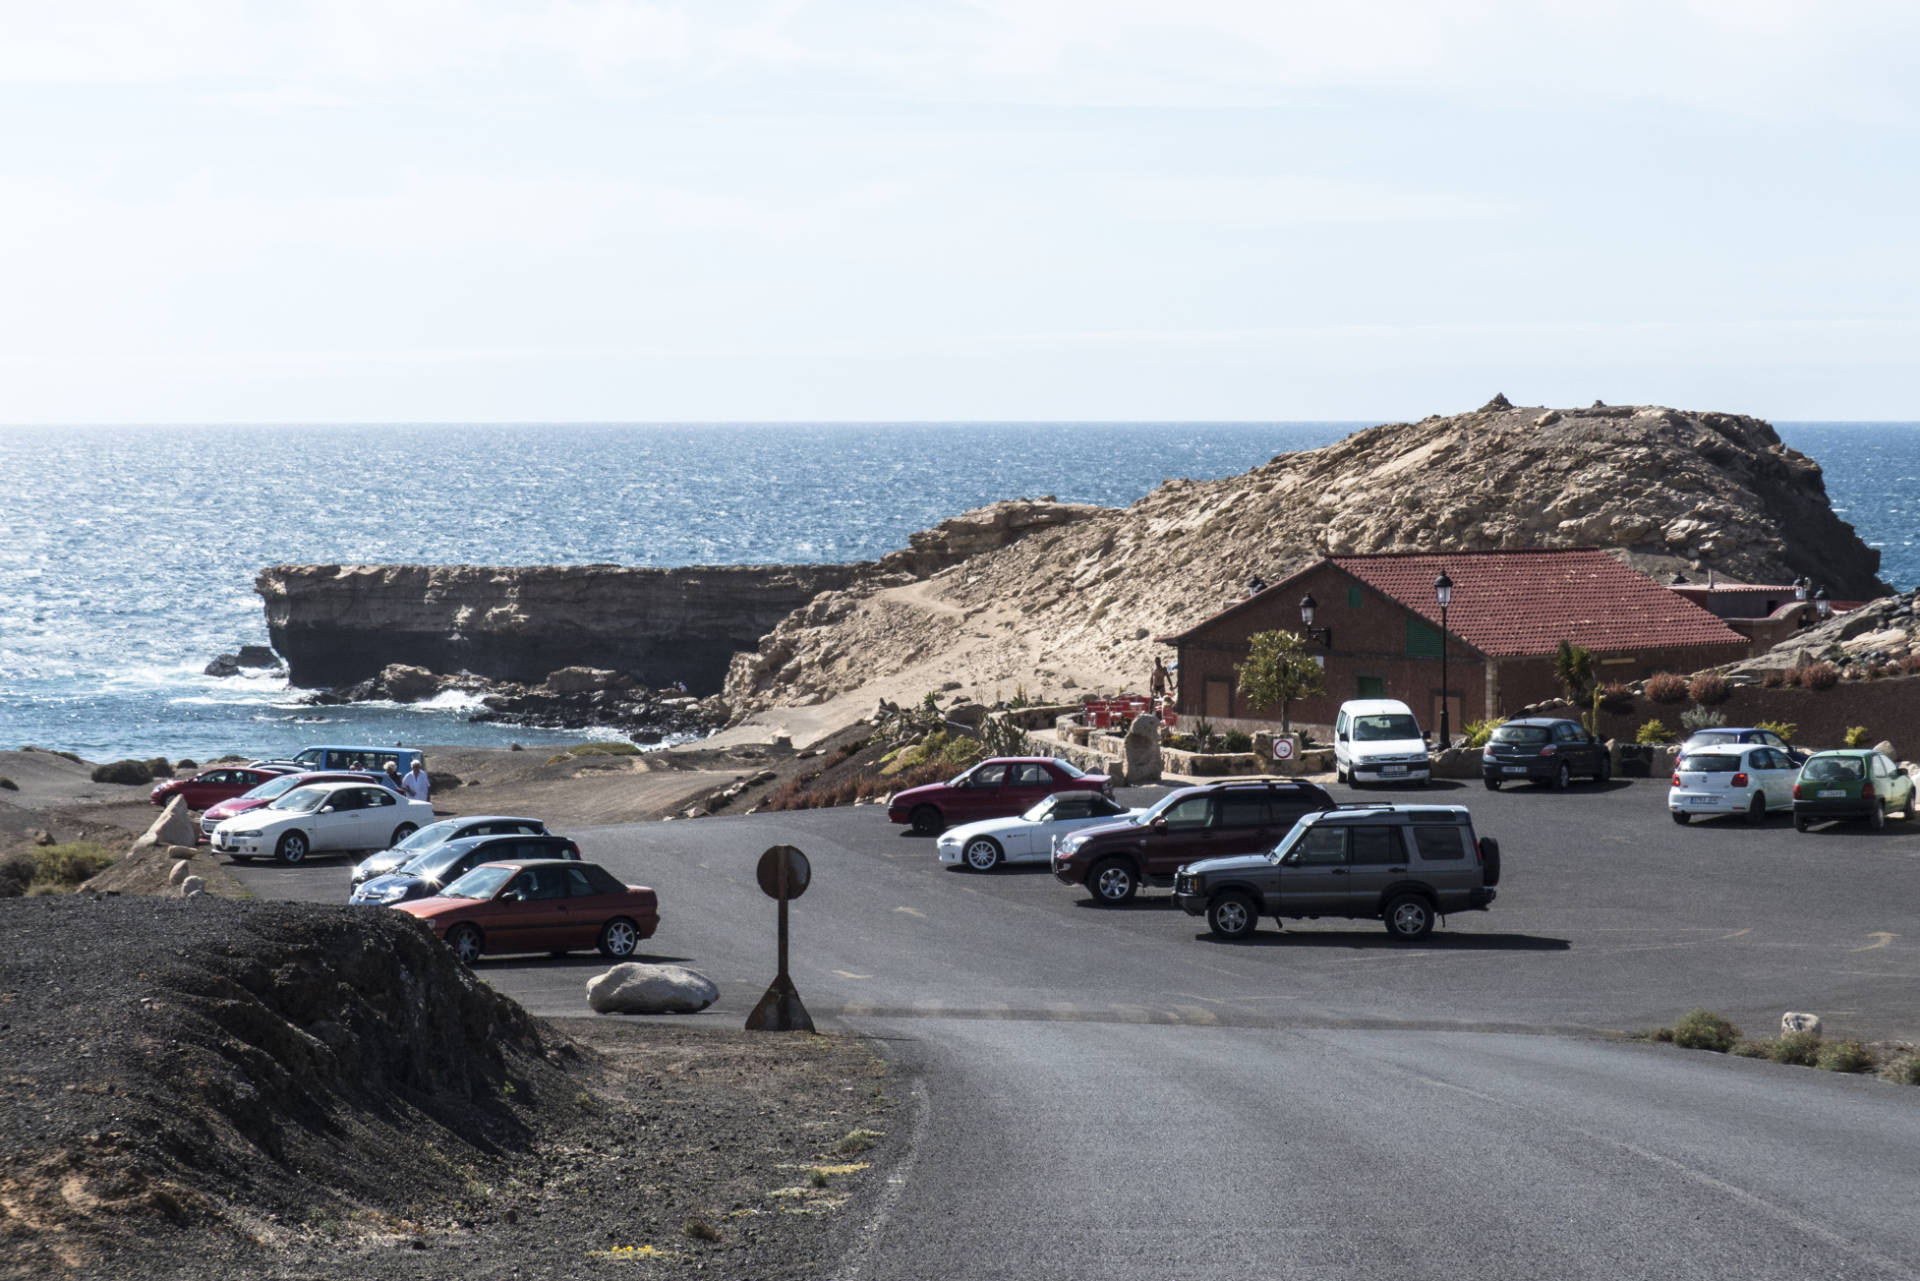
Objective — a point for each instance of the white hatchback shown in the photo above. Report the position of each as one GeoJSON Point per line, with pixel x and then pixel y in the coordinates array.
{"type": "Point", "coordinates": [1734, 778]}
{"type": "Point", "coordinates": [984, 845]}
{"type": "Point", "coordinates": [319, 818]}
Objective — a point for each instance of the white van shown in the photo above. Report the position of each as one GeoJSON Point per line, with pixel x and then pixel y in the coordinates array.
{"type": "Point", "coordinates": [1377, 740]}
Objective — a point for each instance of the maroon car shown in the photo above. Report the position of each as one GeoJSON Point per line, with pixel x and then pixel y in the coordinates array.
{"type": "Point", "coordinates": [539, 905]}
{"type": "Point", "coordinates": [211, 786]}
{"type": "Point", "coordinates": [994, 788]}
{"type": "Point", "coordinates": [274, 787]}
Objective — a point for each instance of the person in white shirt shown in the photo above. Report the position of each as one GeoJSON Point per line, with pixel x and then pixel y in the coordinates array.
{"type": "Point", "coordinates": [415, 784]}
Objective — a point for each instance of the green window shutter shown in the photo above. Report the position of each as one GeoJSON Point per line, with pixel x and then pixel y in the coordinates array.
{"type": "Point", "coordinates": [1371, 687]}
{"type": "Point", "coordinates": [1353, 596]}
{"type": "Point", "coordinates": [1422, 641]}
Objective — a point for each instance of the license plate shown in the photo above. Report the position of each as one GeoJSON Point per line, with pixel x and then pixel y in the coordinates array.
{"type": "Point", "coordinates": [1514, 769]}
{"type": "Point", "coordinates": [1393, 769]}
{"type": "Point", "coordinates": [1697, 800]}
{"type": "Point", "coordinates": [1832, 794]}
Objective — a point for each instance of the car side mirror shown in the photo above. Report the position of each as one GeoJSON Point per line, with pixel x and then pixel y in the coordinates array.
{"type": "Point", "coordinates": [510, 896]}
{"type": "Point", "coordinates": [1159, 823]}
{"type": "Point", "coordinates": [326, 809]}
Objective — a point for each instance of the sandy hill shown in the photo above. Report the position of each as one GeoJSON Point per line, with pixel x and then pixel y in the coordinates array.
{"type": "Point", "coordinates": [1075, 605]}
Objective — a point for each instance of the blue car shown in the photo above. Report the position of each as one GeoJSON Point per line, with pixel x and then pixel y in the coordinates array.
{"type": "Point", "coordinates": [428, 873]}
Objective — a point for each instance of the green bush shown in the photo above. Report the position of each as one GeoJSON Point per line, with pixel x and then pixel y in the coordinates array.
{"type": "Point", "coordinates": [1857, 736]}
{"type": "Point", "coordinates": [1478, 732]}
{"type": "Point", "coordinates": [1235, 740]}
{"type": "Point", "coordinates": [1903, 1071]}
{"type": "Point", "coordinates": [1001, 737]}
{"type": "Point", "coordinates": [1705, 1030]}
{"type": "Point", "coordinates": [1709, 689]}
{"type": "Point", "coordinates": [52, 869]}
{"type": "Point", "coordinates": [1798, 1049]}
{"type": "Point", "coordinates": [8, 785]}
{"type": "Point", "coordinates": [1784, 729]}
{"type": "Point", "coordinates": [1653, 732]}
{"type": "Point", "coordinates": [16, 873]}
{"type": "Point", "coordinates": [1844, 1056]}
{"type": "Point", "coordinates": [1749, 1050]}
{"type": "Point", "coordinates": [1203, 734]}
{"type": "Point", "coordinates": [160, 767]}
{"type": "Point", "coordinates": [123, 772]}
{"type": "Point", "coordinates": [1665, 687]}
{"type": "Point", "coordinates": [185, 764]}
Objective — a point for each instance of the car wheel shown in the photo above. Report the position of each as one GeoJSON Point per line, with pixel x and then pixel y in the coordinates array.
{"type": "Point", "coordinates": [1232, 915]}
{"type": "Point", "coordinates": [1877, 816]}
{"type": "Point", "coordinates": [1605, 772]}
{"type": "Point", "coordinates": [1409, 918]}
{"type": "Point", "coordinates": [927, 820]}
{"type": "Point", "coordinates": [982, 854]}
{"type": "Point", "coordinates": [465, 942]}
{"type": "Point", "coordinates": [1802, 823]}
{"type": "Point", "coordinates": [1112, 882]}
{"type": "Point", "coordinates": [1493, 784]}
{"type": "Point", "coordinates": [619, 937]}
{"type": "Point", "coordinates": [1757, 811]}
{"type": "Point", "coordinates": [292, 848]}
{"type": "Point", "coordinates": [1562, 777]}
{"type": "Point", "coordinates": [402, 832]}
{"type": "Point", "coordinates": [1681, 817]}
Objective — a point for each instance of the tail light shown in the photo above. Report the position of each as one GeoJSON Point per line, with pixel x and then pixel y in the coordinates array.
{"type": "Point", "coordinates": [1866, 791]}
{"type": "Point", "coordinates": [1796, 791]}
{"type": "Point", "coordinates": [1547, 750]}
{"type": "Point", "coordinates": [1739, 780]}
{"type": "Point", "coordinates": [1676, 779]}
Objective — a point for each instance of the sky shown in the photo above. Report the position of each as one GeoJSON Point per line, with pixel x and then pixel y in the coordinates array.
{"type": "Point", "coordinates": [602, 210]}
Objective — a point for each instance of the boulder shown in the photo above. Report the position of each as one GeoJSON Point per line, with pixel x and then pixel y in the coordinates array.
{"type": "Point", "coordinates": [407, 684]}
{"type": "Point", "coordinates": [192, 887]}
{"type": "Point", "coordinates": [1791, 1022]}
{"type": "Point", "coordinates": [633, 988]}
{"type": "Point", "coordinates": [1143, 759]}
{"type": "Point", "coordinates": [179, 873]}
{"type": "Point", "coordinates": [175, 826]}
{"type": "Point", "coordinates": [223, 665]}
{"type": "Point", "coordinates": [970, 715]}
{"type": "Point", "coordinates": [257, 656]}
{"type": "Point", "coordinates": [1886, 749]}
{"type": "Point", "coordinates": [577, 680]}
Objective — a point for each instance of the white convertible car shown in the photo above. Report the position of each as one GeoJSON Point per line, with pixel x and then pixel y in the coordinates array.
{"type": "Point", "coordinates": [984, 845]}
{"type": "Point", "coordinates": [320, 818]}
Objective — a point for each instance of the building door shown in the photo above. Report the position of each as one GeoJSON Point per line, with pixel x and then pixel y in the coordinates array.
{"type": "Point", "coordinates": [1370, 687]}
{"type": "Point", "coordinates": [1218, 700]}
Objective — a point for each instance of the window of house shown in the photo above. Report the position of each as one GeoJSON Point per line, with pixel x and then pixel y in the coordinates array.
{"type": "Point", "coordinates": [1354, 596]}
{"type": "Point", "coordinates": [1422, 641]}
{"type": "Point", "coordinates": [1370, 687]}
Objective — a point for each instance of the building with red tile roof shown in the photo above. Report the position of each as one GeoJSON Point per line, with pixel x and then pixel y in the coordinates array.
{"type": "Point", "coordinates": [1377, 630]}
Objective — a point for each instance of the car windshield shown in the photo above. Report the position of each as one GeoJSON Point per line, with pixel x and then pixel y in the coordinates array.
{"type": "Point", "coordinates": [274, 787]}
{"type": "Point", "coordinates": [1710, 737]}
{"type": "Point", "coordinates": [1288, 841]}
{"type": "Point", "coordinates": [301, 800]}
{"type": "Point", "coordinates": [1705, 764]}
{"type": "Point", "coordinates": [312, 756]}
{"type": "Point", "coordinates": [481, 882]}
{"type": "Point", "coordinates": [1375, 729]}
{"type": "Point", "coordinates": [1040, 813]}
{"type": "Point", "coordinates": [430, 835]}
{"type": "Point", "coordinates": [1166, 802]}
{"type": "Point", "coordinates": [1068, 768]}
{"type": "Point", "coordinates": [1833, 769]}
{"type": "Point", "coordinates": [1520, 734]}
{"type": "Point", "coordinates": [433, 864]}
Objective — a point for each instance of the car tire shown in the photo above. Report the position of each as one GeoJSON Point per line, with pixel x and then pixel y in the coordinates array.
{"type": "Point", "coordinates": [1492, 784]}
{"type": "Point", "coordinates": [1489, 861]}
{"type": "Point", "coordinates": [1801, 823]}
{"type": "Point", "coordinates": [1113, 882]}
{"type": "Point", "coordinates": [1604, 774]}
{"type": "Point", "coordinates": [1756, 811]}
{"type": "Point", "coordinates": [1562, 777]}
{"type": "Point", "coordinates": [402, 832]}
{"type": "Point", "coordinates": [1877, 816]}
{"type": "Point", "coordinates": [927, 821]}
{"type": "Point", "coordinates": [1681, 817]}
{"type": "Point", "coordinates": [1409, 917]}
{"type": "Point", "coordinates": [240, 858]}
{"type": "Point", "coordinates": [618, 938]}
{"type": "Point", "coordinates": [982, 854]}
{"type": "Point", "coordinates": [292, 849]}
{"type": "Point", "coordinates": [1232, 915]}
{"type": "Point", "coordinates": [465, 942]}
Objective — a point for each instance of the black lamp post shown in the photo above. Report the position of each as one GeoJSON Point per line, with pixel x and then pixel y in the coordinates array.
{"type": "Point", "coordinates": [1443, 592]}
{"type": "Point", "coordinates": [1822, 604]}
{"type": "Point", "coordinates": [1322, 634]}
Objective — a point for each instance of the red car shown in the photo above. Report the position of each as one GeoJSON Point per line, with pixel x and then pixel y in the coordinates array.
{"type": "Point", "coordinates": [539, 905]}
{"type": "Point", "coordinates": [270, 789]}
{"type": "Point", "coordinates": [994, 788]}
{"type": "Point", "coordinates": [211, 786]}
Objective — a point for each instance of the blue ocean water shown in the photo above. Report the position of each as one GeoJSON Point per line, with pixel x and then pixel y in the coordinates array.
{"type": "Point", "coordinates": [127, 554]}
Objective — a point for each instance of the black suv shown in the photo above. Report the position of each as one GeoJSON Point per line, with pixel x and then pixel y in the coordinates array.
{"type": "Point", "coordinates": [1239, 816]}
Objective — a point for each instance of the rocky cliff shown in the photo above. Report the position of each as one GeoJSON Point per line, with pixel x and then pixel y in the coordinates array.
{"type": "Point", "coordinates": [1667, 490]}
{"type": "Point", "coordinates": [341, 624]}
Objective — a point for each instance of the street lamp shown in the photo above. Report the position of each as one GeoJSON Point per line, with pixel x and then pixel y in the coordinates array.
{"type": "Point", "coordinates": [1322, 634]}
{"type": "Point", "coordinates": [1800, 586]}
{"type": "Point", "coordinates": [1443, 592]}
{"type": "Point", "coordinates": [1822, 604]}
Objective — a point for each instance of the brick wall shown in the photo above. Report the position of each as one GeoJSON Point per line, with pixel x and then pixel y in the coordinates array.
{"type": "Point", "coordinates": [1889, 708]}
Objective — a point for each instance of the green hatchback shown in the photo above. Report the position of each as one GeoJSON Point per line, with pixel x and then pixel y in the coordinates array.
{"type": "Point", "coordinates": [1857, 783]}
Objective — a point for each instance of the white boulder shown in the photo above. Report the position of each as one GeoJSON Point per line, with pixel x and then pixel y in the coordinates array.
{"type": "Point", "coordinates": [192, 887]}
{"type": "Point", "coordinates": [174, 827]}
{"type": "Point", "coordinates": [178, 875]}
{"type": "Point", "coordinates": [1791, 1022]}
{"type": "Point", "coordinates": [1143, 760]}
{"type": "Point", "coordinates": [633, 988]}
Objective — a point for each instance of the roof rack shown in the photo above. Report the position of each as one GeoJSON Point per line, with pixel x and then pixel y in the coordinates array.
{"type": "Point", "coordinates": [1367, 805]}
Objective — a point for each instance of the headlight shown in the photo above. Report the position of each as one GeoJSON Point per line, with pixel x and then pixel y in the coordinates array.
{"type": "Point", "coordinates": [1072, 844]}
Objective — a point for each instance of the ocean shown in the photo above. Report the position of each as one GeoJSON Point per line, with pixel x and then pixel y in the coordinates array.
{"type": "Point", "coordinates": [127, 554]}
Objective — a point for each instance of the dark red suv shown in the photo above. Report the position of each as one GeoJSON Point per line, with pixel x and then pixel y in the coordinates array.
{"type": "Point", "coordinates": [994, 788]}
{"type": "Point", "coordinates": [1247, 816]}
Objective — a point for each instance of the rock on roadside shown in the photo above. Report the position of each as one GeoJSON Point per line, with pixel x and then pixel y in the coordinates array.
{"type": "Point", "coordinates": [633, 988]}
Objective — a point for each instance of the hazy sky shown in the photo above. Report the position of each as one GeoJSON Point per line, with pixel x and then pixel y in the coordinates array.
{"type": "Point", "coordinates": [1212, 209]}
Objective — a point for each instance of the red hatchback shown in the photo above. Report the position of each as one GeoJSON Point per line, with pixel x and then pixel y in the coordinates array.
{"type": "Point", "coordinates": [539, 905]}
{"type": "Point", "coordinates": [995, 788]}
{"type": "Point", "coordinates": [271, 789]}
{"type": "Point", "coordinates": [211, 786]}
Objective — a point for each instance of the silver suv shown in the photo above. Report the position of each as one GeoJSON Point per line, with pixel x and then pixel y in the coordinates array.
{"type": "Point", "coordinates": [1401, 864]}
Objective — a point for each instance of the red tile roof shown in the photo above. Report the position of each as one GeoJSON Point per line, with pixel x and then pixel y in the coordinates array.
{"type": "Point", "coordinates": [1512, 603]}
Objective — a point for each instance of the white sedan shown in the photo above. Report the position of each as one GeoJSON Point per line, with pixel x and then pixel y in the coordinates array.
{"type": "Point", "coordinates": [1732, 778]}
{"type": "Point", "coordinates": [320, 818]}
{"type": "Point", "coordinates": [1028, 838]}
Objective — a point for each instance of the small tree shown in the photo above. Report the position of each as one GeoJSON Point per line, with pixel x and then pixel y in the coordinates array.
{"type": "Point", "coordinates": [1278, 670]}
{"type": "Point", "coordinates": [1573, 668]}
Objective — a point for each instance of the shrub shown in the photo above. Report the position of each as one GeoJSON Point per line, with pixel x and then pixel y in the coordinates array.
{"type": "Point", "coordinates": [16, 873]}
{"type": "Point", "coordinates": [699, 1229]}
{"type": "Point", "coordinates": [604, 747]}
{"type": "Point", "coordinates": [1857, 736]}
{"type": "Point", "coordinates": [1699, 718]}
{"type": "Point", "coordinates": [1844, 1056]}
{"type": "Point", "coordinates": [184, 764]}
{"type": "Point", "coordinates": [1749, 1050]}
{"type": "Point", "coordinates": [1709, 689]}
{"type": "Point", "coordinates": [440, 780]}
{"type": "Point", "coordinates": [1203, 735]}
{"type": "Point", "coordinates": [856, 1141]}
{"type": "Point", "coordinates": [1784, 729]}
{"type": "Point", "coordinates": [8, 785]}
{"type": "Point", "coordinates": [1911, 663]}
{"type": "Point", "coordinates": [1616, 696]}
{"type": "Point", "coordinates": [123, 772]}
{"type": "Point", "coordinates": [1235, 740]}
{"type": "Point", "coordinates": [1665, 687]}
{"type": "Point", "coordinates": [1905, 1071]}
{"type": "Point", "coordinates": [1879, 671]}
{"type": "Point", "coordinates": [1819, 676]}
{"type": "Point", "coordinates": [1705, 1030]}
{"type": "Point", "coordinates": [1001, 737]}
{"type": "Point", "coordinates": [1653, 732]}
{"type": "Point", "coordinates": [1797, 1049]}
{"type": "Point", "coordinates": [160, 767]}
{"type": "Point", "coordinates": [1478, 732]}
{"type": "Point", "coordinates": [1773, 678]}
{"type": "Point", "coordinates": [58, 868]}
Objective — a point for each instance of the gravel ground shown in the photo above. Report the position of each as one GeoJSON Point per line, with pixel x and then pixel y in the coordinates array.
{"type": "Point", "coordinates": [220, 1089]}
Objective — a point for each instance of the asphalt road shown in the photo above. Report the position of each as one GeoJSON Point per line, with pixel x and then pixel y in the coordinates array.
{"type": "Point", "coordinates": [1115, 1095]}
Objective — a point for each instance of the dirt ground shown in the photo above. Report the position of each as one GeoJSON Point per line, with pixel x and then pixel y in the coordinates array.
{"type": "Point", "coordinates": [209, 1089]}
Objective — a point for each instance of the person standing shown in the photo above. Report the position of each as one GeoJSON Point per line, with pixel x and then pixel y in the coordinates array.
{"type": "Point", "coordinates": [416, 783]}
{"type": "Point", "coordinates": [393, 780]}
{"type": "Point", "coordinates": [1159, 681]}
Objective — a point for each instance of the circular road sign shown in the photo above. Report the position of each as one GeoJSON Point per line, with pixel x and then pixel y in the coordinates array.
{"type": "Point", "coordinates": [799, 872]}
{"type": "Point", "coordinates": [1283, 749]}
